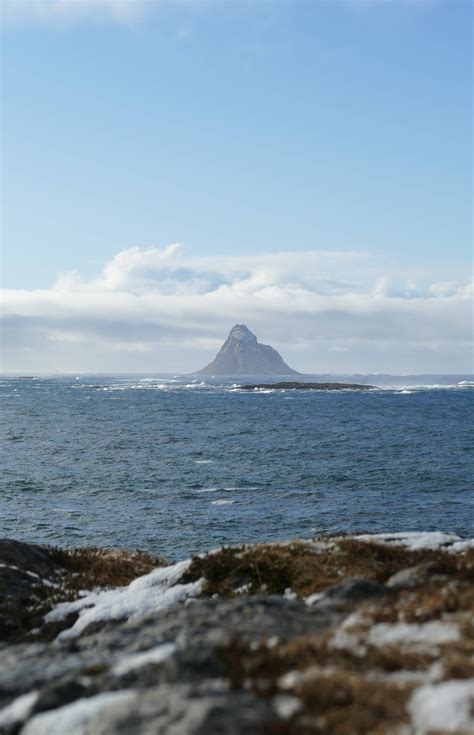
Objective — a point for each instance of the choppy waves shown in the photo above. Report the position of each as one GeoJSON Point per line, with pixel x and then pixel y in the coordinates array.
{"type": "Point", "coordinates": [183, 384]}
{"type": "Point", "coordinates": [176, 464]}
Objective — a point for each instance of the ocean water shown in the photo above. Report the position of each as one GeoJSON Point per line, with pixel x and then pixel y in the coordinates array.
{"type": "Point", "coordinates": [178, 465]}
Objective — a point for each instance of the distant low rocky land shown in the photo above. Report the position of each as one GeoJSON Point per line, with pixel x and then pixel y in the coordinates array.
{"type": "Point", "coordinates": [307, 386]}
{"type": "Point", "coordinates": [342, 635]}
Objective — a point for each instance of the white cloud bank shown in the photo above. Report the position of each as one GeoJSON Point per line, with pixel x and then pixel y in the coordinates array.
{"type": "Point", "coordinates": [156, 310]}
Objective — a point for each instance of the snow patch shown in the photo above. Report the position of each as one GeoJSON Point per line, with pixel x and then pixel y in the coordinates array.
{"type": "Point", "coordinates": [19, 710]}
{"type": "Point", "coordinates": [243, 589]}
{"type": "Point", "coordinates": [43, 580]}
{"type": "Point", "coordinates": [344, 639]}
{"type": "Point", "coordinates": [315, 597]}
{"type": "Point", "coordinates": [322, 547]}
{"type": "Point", "coordinates": [432, 633]}
{"type": "Point", "coordinates": [286, 706]}
{"type": "Point", "coordinates": [157, 590]}
{"type": "Point", "coordinates": [136, 661]}
{"type": "Point", "coordinates": [445, 707]}
{"type": "Point", "coordinates": [76, 718]}
{"type": "Point", "coordinates": [420, 540]}
{"type": "Point", "coordinates": [354, 634]}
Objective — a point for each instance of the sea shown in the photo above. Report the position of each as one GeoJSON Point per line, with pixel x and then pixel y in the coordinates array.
{"type": "Point", "coordinates": [177, 465]}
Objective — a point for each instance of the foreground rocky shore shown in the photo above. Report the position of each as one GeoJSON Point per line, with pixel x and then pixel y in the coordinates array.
{"type": "Point", "coordinates": [334, 636]}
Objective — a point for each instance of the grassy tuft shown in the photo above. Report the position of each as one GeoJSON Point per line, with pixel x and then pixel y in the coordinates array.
{"type": "Point", "coordinates": [91, 567]}
{"type": "Point", "coordinates": [272, 568]}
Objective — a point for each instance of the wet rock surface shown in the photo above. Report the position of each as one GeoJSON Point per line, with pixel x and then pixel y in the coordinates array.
{"type": "Point", "coordinates": [332, 636]}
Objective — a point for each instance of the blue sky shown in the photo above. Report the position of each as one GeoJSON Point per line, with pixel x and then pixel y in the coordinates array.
{"type": "Point", "coordinates": [237, 129]}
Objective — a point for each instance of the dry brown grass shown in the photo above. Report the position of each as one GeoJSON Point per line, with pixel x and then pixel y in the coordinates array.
{"type": "Point", "coordinates": [458, 663]}
{"type": "Point", "coordinates": [334, 700]}
{"type": "Point", "coordinates": [344, 704]}
{"type": "Point", "coordinates": [90, 567]}
{"type": "Point", "coordinates": [341, 692]}
{"type": "Point", "coordinates": [428, 602]}
{"type": "Point", "coordinates": [272, 568]}
{"type": "Point", "coordinates": [361, 690]}
{"type": "Point", "coordinates": [263, 665]}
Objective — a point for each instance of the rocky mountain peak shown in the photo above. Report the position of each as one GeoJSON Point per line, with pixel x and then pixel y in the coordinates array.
{"type": "Point", "coordinates": [243, 354]}
{"type": "Point", "coordinates": [241, 333]}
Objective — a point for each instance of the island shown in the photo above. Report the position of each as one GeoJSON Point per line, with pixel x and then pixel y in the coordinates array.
{"type": "Point", "coordinates": [295, 385]}
{"type": "Point", "coordinates": [243, 354]}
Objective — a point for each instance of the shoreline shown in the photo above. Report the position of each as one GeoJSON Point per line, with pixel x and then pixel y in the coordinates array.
{"type": "Point", "coordinates": [335, 635]}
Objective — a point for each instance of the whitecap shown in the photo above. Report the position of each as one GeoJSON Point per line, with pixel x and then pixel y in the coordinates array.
{"type": "Point", "coordinates": [153, 380]}
{"type": "Point", "coordinates": [65, 510]}
{"type": "Point", "coordinates": [151, 386]}
{"type": "Point", "coordinates": [426, 386]}
{"type": "Point", "coordinates": [136, 386]}
{"type": "Point", "coordinates": [221, 501]}
{"type": "Point", "coordinates": [203, 461]}
{"type": "Point", "coordinates": [240, 488]}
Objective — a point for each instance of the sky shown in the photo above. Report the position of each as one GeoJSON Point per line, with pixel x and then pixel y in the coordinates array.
{"type": "Point", "coordinates": [171, 168]}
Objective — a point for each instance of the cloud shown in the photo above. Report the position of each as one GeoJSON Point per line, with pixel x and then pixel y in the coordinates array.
{"type": "Point", "coordinates": [122, 12]}
{"type": "Point", "coordinates": [154, 309]}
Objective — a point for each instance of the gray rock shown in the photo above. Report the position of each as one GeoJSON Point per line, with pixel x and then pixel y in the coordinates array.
{"type": "Point", "coordinates": [212, 622]}
{"type": "Point", "coordinates": [62, 673]}
{"type": "Point", "coordinates": [23, 567]}
{"type": "Point", "coordinates": [412, 576]}
{"type": "Point", "coordinates": [62, 692]}
{"type": "Point", "coordinates": [26, 557]}
{"type": "Point", "coordinates": [31, 666]}
{"type": "Point", "coordinates": [352, 591]}
{"type": "Point", "coordinates": [165, 710]}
